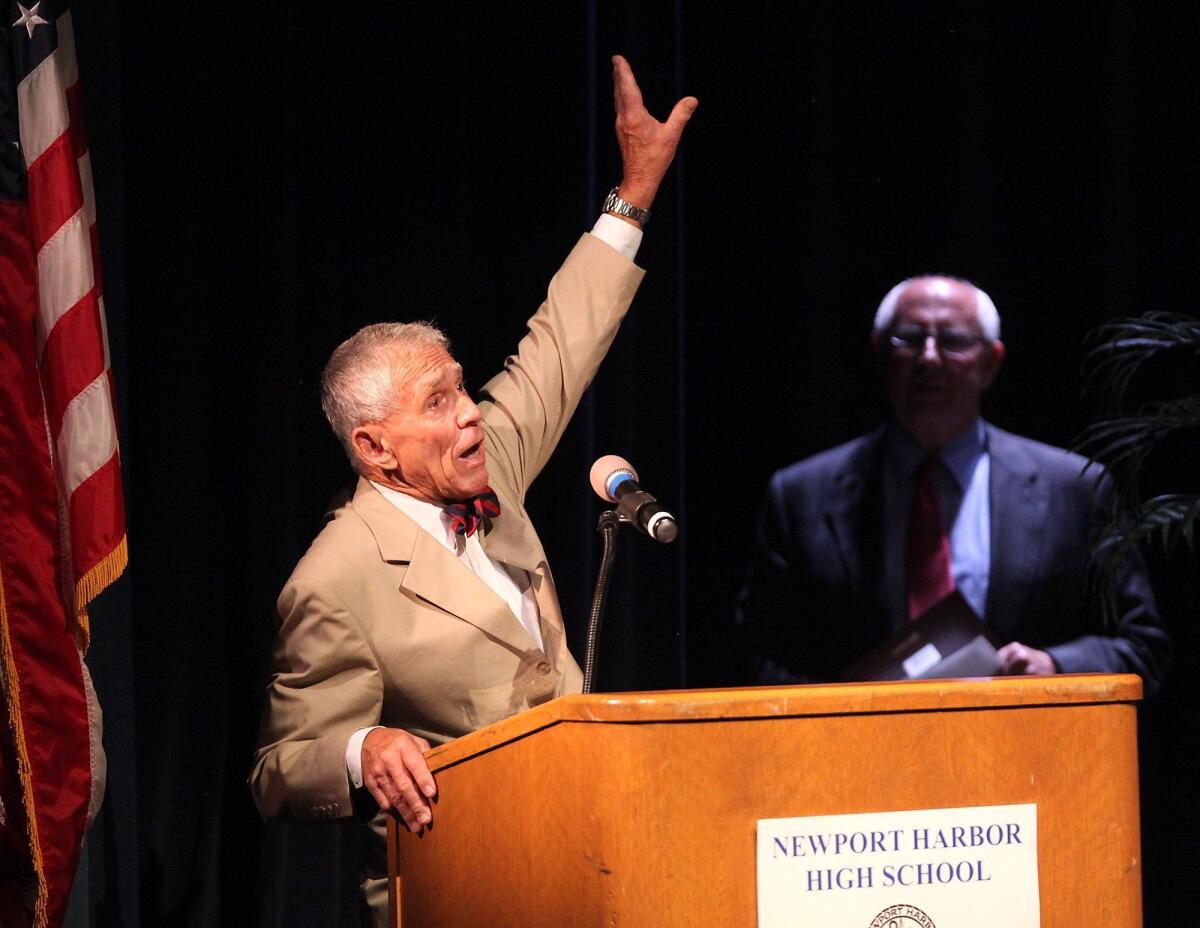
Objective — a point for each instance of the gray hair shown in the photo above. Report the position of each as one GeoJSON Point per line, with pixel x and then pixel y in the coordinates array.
{"type": "Point", "coordinates": [357, 385]}
{"type": "Point", "coordinates": [985, 309]}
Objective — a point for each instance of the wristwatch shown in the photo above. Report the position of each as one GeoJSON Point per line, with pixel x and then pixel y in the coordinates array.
{"type": "Point", "coordinates": [614, 204]}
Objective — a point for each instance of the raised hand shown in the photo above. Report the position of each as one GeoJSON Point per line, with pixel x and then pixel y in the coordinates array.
{"type": "Point", "coordinates": [647, 145]}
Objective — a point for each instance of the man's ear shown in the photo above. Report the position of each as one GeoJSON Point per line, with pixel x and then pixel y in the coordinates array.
{"type": "Point", "coordinates": [991, 363]}
{"type": "Point", "coordinates": [368, 446]}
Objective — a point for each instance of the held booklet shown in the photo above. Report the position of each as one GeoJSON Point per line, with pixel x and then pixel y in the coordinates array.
{"type": "Point", "coordinates": [949, 640]}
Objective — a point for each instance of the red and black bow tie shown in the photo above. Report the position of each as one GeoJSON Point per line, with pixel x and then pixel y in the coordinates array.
{"type": "Point", "coordinates": [466, 515]}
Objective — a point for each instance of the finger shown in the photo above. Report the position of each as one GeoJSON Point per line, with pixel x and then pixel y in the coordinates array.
{"type": "Point", "coordinates": [416, 768]}
{"type": "Point", "coordinates": [398, 797]}
{"type": "Point", "coordinates": [393, 803]}
{"type": "Point", "coordinates": [626, 93]}
{"type": "Point", "coordinates": [1010, 657]}
{"type": "Point", "coordinates": [412, 821]}
{"type": "Point", "coordinates": [681, 114]}
{"type": "Point", "coordinates": [406, 799]}
{"type": "Point", "coordinates": [375, 788]}
{"type": "Point", "coordinates": [411, 780]}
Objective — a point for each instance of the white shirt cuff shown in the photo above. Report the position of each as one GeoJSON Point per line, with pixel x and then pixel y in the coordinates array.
{"type": "Point", "coordinates": [354, 755]}
{"type": "Point", "coordinates": [618, 234]}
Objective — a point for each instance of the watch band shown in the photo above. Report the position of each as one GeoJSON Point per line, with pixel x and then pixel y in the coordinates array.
{"type": "Point", "coordinates": [614, 204]}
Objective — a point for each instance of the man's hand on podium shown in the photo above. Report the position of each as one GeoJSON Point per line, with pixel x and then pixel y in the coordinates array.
{"type": "Point", "coordinates": [1017, 659]}
{"type": "Point", "coordinates": [395, 773]}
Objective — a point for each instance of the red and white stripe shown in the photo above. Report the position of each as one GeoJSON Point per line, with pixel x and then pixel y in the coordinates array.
{"type": "Point", "coordinates": [72, 338]}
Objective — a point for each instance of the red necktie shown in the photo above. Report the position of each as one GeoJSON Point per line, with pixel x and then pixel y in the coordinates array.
{"type": "Point", "coordinates": [466, 515]}
{"type": "Point", "coordinates": [926, 547]}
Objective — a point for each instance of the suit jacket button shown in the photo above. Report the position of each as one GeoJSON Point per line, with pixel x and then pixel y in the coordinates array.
{"type": "Point", "coordinates": [544, 668]}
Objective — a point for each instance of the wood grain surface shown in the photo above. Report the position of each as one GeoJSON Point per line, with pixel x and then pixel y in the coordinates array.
{"type": "Point", "coordinates": [640, 809]}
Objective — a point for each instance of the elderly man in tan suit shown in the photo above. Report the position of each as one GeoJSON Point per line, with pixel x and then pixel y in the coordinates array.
{"type": "Point", "coordinates": [403, 626]}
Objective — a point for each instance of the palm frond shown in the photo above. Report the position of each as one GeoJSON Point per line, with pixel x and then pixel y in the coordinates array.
{"type": "Point", "coordinates": [1119, 349]}
{"type": "Point", "coordinates": [1171, 520]}
{"type": "Point", "coordinates": [1123, 444]}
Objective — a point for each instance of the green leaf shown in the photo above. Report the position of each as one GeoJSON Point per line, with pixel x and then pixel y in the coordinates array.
{"type": "Point", "coordinates": [1122, 445]}
{"type": "Point", "coordinates": [1117, 350]}
{"type": "Point", "coordinates": [1171, 517]}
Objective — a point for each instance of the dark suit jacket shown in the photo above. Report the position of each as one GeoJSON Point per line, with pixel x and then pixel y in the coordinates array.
{"type": "Point", "coordinates": [816, 597]}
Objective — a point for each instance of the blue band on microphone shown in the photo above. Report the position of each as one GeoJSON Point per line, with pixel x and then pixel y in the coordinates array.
{"type": "Point", "coordinates": [615, 480]}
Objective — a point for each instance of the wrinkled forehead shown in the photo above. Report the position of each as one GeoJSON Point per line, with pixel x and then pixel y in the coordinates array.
{"type": "Point", "coordinates": [421, 366]}
{"type": "Point", "coordinates": [938, 299]}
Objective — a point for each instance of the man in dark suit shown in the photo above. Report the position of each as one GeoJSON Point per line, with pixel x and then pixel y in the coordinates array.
{"type": "Point", "coordinates": [857, 541]}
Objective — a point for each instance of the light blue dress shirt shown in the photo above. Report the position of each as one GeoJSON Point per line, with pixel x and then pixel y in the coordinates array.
{"type": "Point", "coordinates": [962, 483]}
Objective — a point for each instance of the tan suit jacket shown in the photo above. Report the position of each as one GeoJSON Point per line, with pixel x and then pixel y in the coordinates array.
{"type": "Point", "coordinates": [382, 625]}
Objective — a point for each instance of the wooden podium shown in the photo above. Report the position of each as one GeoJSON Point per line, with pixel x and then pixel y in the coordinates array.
{"type": "Point", "coordinates": [639, 809]}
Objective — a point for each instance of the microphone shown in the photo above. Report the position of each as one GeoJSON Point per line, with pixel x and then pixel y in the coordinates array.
{"type": "Point", "coordinates": [614, 479]}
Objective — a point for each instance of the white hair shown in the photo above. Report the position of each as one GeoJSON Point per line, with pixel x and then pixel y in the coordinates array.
{"type": "Point", "coordinates": [357, 385]}
{"type": "Point", "coordinates": [985, 309]}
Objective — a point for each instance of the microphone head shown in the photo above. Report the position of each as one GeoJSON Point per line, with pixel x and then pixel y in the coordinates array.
{"type": "Point", "coordinates": [608, 472]}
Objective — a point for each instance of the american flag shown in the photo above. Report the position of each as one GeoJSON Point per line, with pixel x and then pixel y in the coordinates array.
{"type": "Point", "coordinates": [62, 535]}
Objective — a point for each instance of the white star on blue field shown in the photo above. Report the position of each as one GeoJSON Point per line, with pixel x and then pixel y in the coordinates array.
{"type": "Point", "coordinates": [29, 18]}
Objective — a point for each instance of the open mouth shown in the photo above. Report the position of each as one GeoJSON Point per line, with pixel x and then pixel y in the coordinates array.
{"type": "Point", "coordinates": [473, 454]}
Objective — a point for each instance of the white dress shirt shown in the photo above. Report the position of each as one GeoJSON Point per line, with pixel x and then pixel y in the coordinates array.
{"type": "Point", "coordinates": [511, 584]}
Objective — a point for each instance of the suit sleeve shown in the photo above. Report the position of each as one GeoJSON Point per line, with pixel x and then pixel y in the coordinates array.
{"type": "Point", "coordinates": [1139, 643]}
{"type": "Point", "coordinates": [527, 406]}
{"type": "Point", "coordinates": [325, 684]}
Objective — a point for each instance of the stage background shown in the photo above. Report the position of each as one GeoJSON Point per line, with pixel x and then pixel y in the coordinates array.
{"type": "Point", "coordinates": [270, 181]}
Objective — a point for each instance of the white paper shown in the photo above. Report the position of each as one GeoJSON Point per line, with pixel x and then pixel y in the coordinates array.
{"type": "Point", "coordinates": [977, 658]}
{"type": "Point", "coordinates": [921, 660]}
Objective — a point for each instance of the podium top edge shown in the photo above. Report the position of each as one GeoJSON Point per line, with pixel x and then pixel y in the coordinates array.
{"type": "Point", "coordinates": [763, 702]}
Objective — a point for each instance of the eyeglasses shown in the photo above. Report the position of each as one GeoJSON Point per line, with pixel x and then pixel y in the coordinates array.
{"type": "Point", "coordinates": [953, 342]}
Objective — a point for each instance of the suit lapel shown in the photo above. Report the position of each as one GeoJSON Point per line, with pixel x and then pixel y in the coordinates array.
{"type": "Point", "coordinates": [854, 517]}
{"type": "Point", "coordinates": [510, 539]}
{"type": "Point", "coordinates": [1017, 502]}
{"type": "Point", "coordinates": [553, 633]}
{"type": "Point", "coordinates": [843, 515]}
{"type": "Point", "coordinates": [434, 574]}
{"type": "Point", "coordinates": [437, 576]}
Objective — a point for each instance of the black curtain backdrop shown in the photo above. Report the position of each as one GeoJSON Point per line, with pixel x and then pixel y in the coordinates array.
{"type": "Point", "coordinates": [271, 180]}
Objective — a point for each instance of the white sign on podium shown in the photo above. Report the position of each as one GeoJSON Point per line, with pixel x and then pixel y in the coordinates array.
{"type": "Point", "coordinates": [927, 868]}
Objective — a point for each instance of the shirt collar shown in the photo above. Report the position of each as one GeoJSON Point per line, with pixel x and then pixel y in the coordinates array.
{"type": "Point", "coordinates": [429, 516]}
{"type": "Point", "coordinates": [959, 457]}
